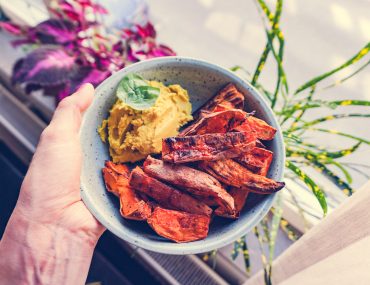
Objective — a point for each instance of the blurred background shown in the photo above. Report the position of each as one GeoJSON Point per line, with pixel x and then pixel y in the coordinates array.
{"type": "Point", "coordinates": [319, 36]}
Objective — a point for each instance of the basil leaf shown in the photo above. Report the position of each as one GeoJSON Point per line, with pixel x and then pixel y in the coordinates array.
{"type": "Point", "coordinates": [136, 92]}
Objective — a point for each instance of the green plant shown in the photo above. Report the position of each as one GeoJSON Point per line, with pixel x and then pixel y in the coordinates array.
{"type": "Point", "coordinates": [290, 108]}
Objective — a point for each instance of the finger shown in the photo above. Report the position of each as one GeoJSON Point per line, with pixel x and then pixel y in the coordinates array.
{"type": "Point", "coordinates": [83, 97]}
{"type": "Point", "coordinates": [67, 117]}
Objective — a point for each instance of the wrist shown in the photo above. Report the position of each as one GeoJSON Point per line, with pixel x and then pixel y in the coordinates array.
{"type": "Point", "coordinates": [48, 254]}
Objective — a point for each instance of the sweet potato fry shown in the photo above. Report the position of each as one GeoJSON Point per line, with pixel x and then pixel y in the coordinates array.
{"type": "Point", "coordinates": [121, 169]}
{"type": "Point", "coordinates": [191, 180]}
{"type": "Point", "coordinates": [165, 195]}
{"type": "Point", "coordinates": [116, 181]}
{"type": "Point", "coordinates": [222, 107]}
{"type": "Point", "coordinates": [111, 174]}
{"type": "Point", "coordinates": [111, 180]}
{"type": "Point", "coordinates": [228, 96]}
{"type": "Point", "coordinates": [209, 201]}
{"type": "Point", "coordinates": [133, 208]}
{"type": "Point", "coordinates": [262, 130]}
{"type": "Point", "coordinates": [207, 147]}
{"type": "Point", "coordinates": [232, 173]}
{"type": "Point", "coordinates": [220, 122]}
{"type": "Point", "coordinates": [240, 196]}
{"type": "Point", "coordinates": [179, 226]}
{"type": "Point", "coordinates": [257, 160]}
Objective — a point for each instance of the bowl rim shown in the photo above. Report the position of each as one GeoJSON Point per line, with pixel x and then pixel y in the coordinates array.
{"type": "Point", "coordinates": [202, 245]}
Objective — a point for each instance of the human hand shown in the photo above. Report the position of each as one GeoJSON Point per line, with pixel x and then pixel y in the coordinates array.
{"type": "Point", "coordinates": [50, 193]}
{"type": "Point", "coordinates": [50, 218]}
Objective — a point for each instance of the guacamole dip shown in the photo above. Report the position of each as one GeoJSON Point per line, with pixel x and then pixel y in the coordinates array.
{"type": "Point", "coordinates": [134, 134]}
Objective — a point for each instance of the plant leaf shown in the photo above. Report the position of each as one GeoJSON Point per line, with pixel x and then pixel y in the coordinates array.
{"type": "Point", "coordinates": [323, 154]}
{"type": "Point", "coordinates": [12, 28]}
{"type": "Point", "coordinates": [347, 77]}
{"type": "Point", "coordinates": [344, 171]}
{"type": "Point", "coordinates": [329, 118]}
{"type": "Point", "coordinates": [352, 60]}
{"type": "Point", "coordinates": [136, 92]}
{"type": "Point", "coordinates": [276, 218]}
{"type": "Point", "coordinates": [141, 44]}
{"type": "Point", "coordinates": [340, 153]}
{"type": "Point", "coordinates": [302, 106]}
{"type": "Point", "coordinates": [88, 74]}
{"type": "Point", "coordinates": [289, 230]}
{"type": "Point", "coordinates": [274, 22]}
{"type": "Point", "coordinates": [55, 31]}
{"type": "Point", "coordinates": [319, 194]}
{"type": "Point", "coordinates": [335, 132]}
{"type": "Point", "coordinates": [266, 265]}
{"type": "Point", "coordinates": [46, 66]}
{"type": "Point", "coordinates": [246, 256]}
{"type": "Point", "coordinates": [319, 161]}
{"type": "Point", "coordinates": [334, 178]}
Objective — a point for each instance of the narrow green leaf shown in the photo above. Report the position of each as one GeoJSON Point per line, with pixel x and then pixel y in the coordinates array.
{"type": "Point", "coordinates": [334, 178]}
{"type": "Point", "coordinates": [266, 266]}
{"type": "Point", "coordinates": [351, 61]}
{"type": "Point", "coordinates": [335, 132]}
{"type": "Point", "coordinates": [235, 68]}
{"type": "Point", "coordinates": [300, 115]}
{"type": "Point", "coordinates": [289, 230]}
{"type": "Point", "coordinates": [292, 137]}
{"type": "Point", "coordinates": [354, 167]}
{"type": "Point", "coordinates": [329, 118]}
{"type": "Point", "coordinates": [336, 83]}
{"type": "Point", "coordinates": [276, 218]}
{"type": "Point", "coordinates": [266, 10]}
{"type": "Point", "coordinates": [275, 32]}
{"type": "Point", "coordinates": [265, 92]}
{"type": "Point", "coordinates": [337, 103]}
{"type": "Point", "coordinates": [281, 73]}
{"type": "Point", "coordinates": [238, 245]}
{"type": "Point", "coordinates": [300, 210]}
{"type": "Point", "coordinates": [323, 154]}
{"type": "Point", "coordinates": [344, 171]}
{"type": "Point", "coordinates": [214, 258]}
{"type": "Point", "coordinates": [246, 256]}
{"type": "Point", "coordinates": [318, 161]}
{"type": "Point", "coordinates": [319, 194]}
{"type": "Point", "coordinates": [339, 153]}
{"type": "Point", "coordinates": [303, 106]}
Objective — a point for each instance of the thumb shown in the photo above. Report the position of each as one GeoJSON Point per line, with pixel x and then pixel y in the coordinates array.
{"type": "Point", "coordinates": [67, 117]}
{"type": "Point", "coordinates": [83, 97]}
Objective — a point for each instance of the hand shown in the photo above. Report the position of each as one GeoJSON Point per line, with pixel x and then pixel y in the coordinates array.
{"type": "Point", "coordinates": [50, 192]}
{"type": "Point", "coordinates": [50, 218]}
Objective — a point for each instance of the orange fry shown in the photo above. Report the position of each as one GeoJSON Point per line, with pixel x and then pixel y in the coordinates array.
{"type": "Point", "coordinates": [131, 206]}
{"type": "Point", "coordinates": [166, 195]}
{"type": "Point", "coordinates": [179, 226]}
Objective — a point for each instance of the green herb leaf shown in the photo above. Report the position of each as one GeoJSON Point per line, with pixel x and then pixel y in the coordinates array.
{"type": "Point", "coordinates": [136, 92]}
{"type": "Point", "coordinates": [310, 183]}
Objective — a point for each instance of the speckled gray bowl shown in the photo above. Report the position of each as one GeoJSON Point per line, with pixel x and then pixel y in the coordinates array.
{"type": "Point", "coordinates": [202, 80]}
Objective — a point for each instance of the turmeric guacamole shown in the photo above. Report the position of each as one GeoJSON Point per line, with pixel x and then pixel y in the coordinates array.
{"type": "Point", "coordinates": [134, 134]}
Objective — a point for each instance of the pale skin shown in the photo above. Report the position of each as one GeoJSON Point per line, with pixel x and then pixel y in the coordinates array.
{"type": "Point", "coordinates": [51, 235]}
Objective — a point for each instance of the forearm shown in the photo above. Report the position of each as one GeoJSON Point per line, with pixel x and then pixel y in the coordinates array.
{"type": "Point", "coordinates": [31, 253]}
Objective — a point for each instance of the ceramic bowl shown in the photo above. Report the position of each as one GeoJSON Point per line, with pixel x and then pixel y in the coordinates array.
{"type": "Point", "coordinates": [202, 80]}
